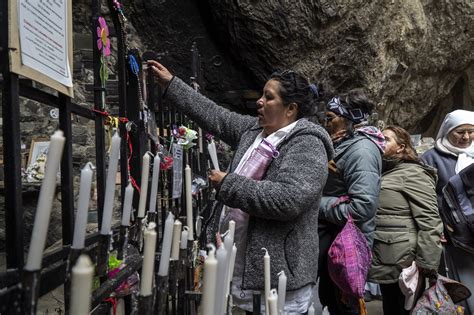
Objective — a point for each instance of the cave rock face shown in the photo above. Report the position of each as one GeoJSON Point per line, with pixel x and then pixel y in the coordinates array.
{"type": "Point", "coordinates": [408, 54]}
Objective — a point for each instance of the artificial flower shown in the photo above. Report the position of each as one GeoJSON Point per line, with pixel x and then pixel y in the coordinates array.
{"type": "Point", "coordinates": [166, 163]}
{"type": "Point", "coordinates": [103, 41]}
{"type": "Point", "coordinates": [186, 136]}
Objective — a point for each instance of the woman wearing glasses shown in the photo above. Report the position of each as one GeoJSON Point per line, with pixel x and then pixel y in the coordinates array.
{"type": "Point", "coordinates": [279, 211]}
{"type": "Point", "coordinates": [353, 184]}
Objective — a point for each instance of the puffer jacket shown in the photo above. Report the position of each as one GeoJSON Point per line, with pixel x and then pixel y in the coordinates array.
{"type": "Point", "coordinates": [283, 206]}
{"type": "Point", "coordinates": [356, 174]}
{"type": "Point", "coordinates": [408, 225]}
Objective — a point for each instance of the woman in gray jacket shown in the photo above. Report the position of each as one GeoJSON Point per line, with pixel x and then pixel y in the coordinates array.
{"type": "Point", "coordinates": [283, 205]}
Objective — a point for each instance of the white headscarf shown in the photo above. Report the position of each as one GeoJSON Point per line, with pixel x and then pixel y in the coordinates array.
{"type": "Point", "coordinates": [452, 120]}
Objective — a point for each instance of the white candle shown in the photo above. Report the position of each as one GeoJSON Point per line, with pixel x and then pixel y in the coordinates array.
{"type": "Point", "coordinates": [146, 279]}
{"type": "Point", "coordinates": [281, 291]}
{"type": "Point", "coordinates": [127, 205]}
{"type": "Point", "coordinates": [120, 308]}
{"type": "Point", "coordinates": [200, 146]}
{"type": "Point", "coordinates": [82, 206]}
{"type": "Point", "coordinates": [154, 183]}
{"type": "Point", "coordinates": [228, 244]}
{"type": "Point", "coordinates": [189, 201]}
{"type": "Point", "coordinates": [176, 239]}
{"type": "Point", "coordinates": [222, 271]}
{"type": "Point", "coordinates": [45, 202]}
{"type": "Point", "coordinates": [110, 185]}
{"type": "Point", "coordinates": [232, 262]}
{"type": "Point", "coordinates": [272, 302]}
{"type": "Point", "coordinates": [311, 310]}
{"type": "Point", "coordinates": [144, 185]}
{"type": "Point", "coordinates": [209, 283]}
{"type": "Point", "coordinates": [231, 229]}
{"type": "Point", "coordinates": [266, 270]}
{"type": "Point", "coordinates": [166, 246]}
{"type": "Point", "coordinates": [81, 286]}
{"type": "Point", "coordinates": [211, 147]}
{"type": "Point", "coordinates": [184, 238]}
{"type": "Point", "coordinates": [230, 272]}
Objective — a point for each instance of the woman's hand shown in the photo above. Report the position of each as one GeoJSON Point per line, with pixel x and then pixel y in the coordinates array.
{"type": "Point", "coordinates": [162, 74]}
{"type": "Point", "coordinates": [216, 177]}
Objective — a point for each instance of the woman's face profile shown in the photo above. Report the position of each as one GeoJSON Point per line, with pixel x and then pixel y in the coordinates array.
{"type": "Point", "coordinates": [272, 114]}
{"type": "Point", "coordinates": [462, 136]}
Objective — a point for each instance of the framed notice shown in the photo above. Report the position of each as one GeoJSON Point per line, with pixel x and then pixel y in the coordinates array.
{"type": "Point", "coordinates": [40, 41]}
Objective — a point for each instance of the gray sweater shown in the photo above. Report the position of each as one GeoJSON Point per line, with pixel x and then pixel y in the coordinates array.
{"type": "Point", "coordinates": [283, 206]}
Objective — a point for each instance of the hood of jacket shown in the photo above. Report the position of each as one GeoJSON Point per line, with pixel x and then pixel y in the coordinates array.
{"type": "Point", "coordinates": [389, 164]}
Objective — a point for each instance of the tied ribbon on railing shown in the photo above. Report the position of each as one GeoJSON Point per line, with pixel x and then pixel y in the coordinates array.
{"type": "Point", "coordinates": [113, 301]}
{"type": "Point", "coordinates": [113, 122]}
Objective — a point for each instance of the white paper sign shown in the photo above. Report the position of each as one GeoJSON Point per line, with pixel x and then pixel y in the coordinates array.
{"type": "Point", "coordinates": [43, 38]}
{"type": "Point", "coordinates": [177, 170]}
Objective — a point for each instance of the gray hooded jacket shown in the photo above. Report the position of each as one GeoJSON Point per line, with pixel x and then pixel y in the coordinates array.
{"type": "Point", "coordinates": [283, 206]}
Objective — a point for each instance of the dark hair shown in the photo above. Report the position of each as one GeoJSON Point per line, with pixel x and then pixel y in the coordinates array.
{"type": "Point", "coordinates": [356, 98]}
{"type": "Point", "coordinates": [402, 137]}
{"type": "Point", "coordinates": [295, 88]}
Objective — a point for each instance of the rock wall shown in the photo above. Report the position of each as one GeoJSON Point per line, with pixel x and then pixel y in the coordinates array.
{"type": "Point", "coordinates": [415, 57]}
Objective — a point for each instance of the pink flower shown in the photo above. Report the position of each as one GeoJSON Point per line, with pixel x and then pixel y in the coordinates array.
{"type": "Point", "coordinates": [103, 41]}
{"type": "Point", "coordinates": [166, 163]}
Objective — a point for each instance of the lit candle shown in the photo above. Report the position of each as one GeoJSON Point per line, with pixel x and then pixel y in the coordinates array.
{"type": "Point", "coordinates": [189, 201]}
{"type": "Point", "coordinates": [166, 246]}
{"type": "Point", "coordinates": [222, 271]}
{"type": "Point", "coordinates": [211, 147]}
{"type": "Point", "coordinates": [45, 202]}
{"type": "Point", "coordinates": [144, 185]}
{"type": "Point", "coordinates": [281, 291]}
{"type": "Point", "coordinates": [209, 282]}
{"type": "Point", "coordinates": [311, 310]}
{"type": "Point", "coordinates": [81, 286]}
{"type": "Point", "coordinates": [184, 238]}
{"type": "Point", "coordinates": [146, 279]}
{"type": "Point", "coordinates": [110, 185]}
{"type": "Point", "coordinates": [127, 205]}
{"type": "Point", "coordinates": [176, 239]}
{"type": "Point", "coordinates": [154, 183]}
{"type": "Point", "coordinates": [266, 270]}
{"type": "Point", "coordinates": [82, 207]}
{"type": "Point", "coordinates": [272, 302]}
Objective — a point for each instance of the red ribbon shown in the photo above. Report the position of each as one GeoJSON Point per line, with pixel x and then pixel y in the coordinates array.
{"type": "Point", "coordinates": [113, 301]}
